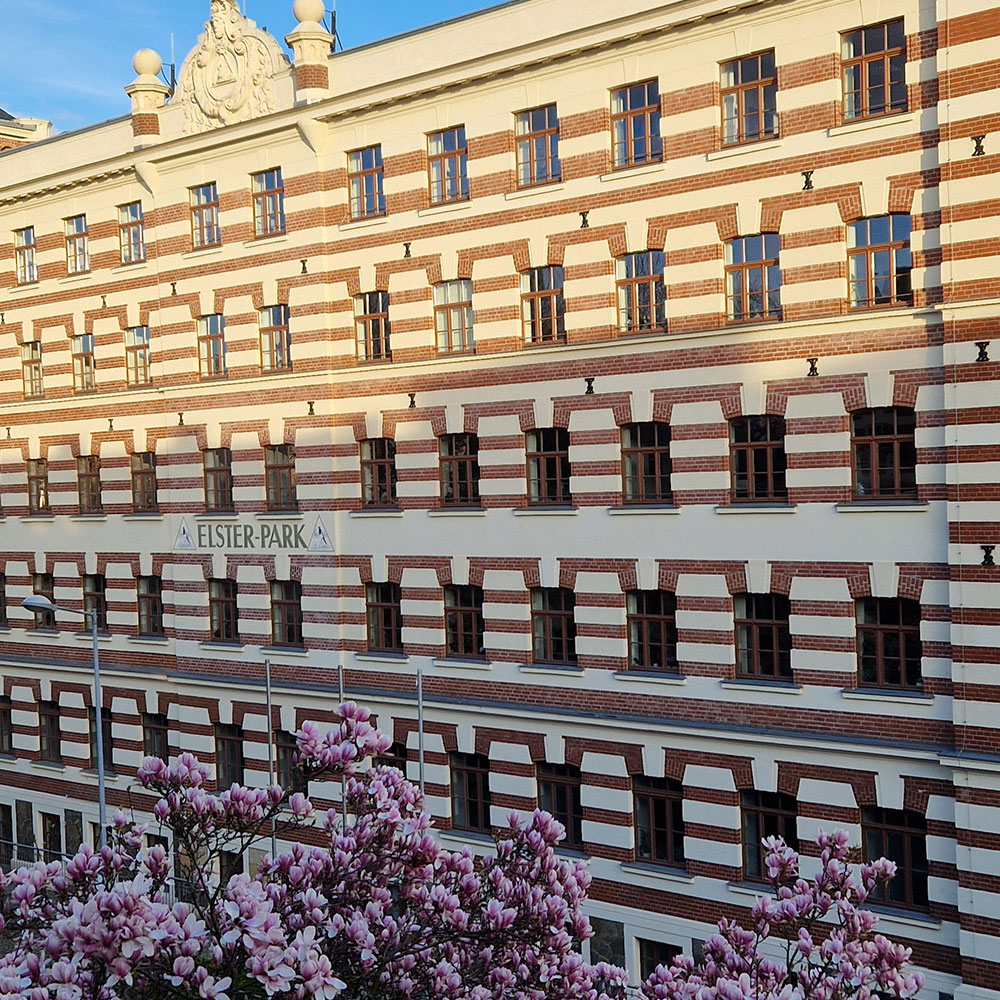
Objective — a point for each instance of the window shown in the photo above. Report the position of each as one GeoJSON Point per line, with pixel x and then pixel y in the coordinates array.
{"type": "Point", "coordinates": [205, 231]}
{"type": "Point", "coordinates": [212, 346]}
{"type": "Point", "coordinates": [763, 638]}
{"type": "Point", "coordinates": [654, 953]}
{"type": "Point", "coordinates": [275, 339]}
{"type": "Point", "coordinates": [230, 864]}
{"type": "Point", "coordinates": [6, 727]}
{"type": "Point", "coordinates": [885, 453]}
{"type": "Point", "coordinates": [31, 368]}
{"type": "Point", "coordinates": [453, 316]}
{"type": "Point", "coordinates": [25, 261]}
{"type": "Point", "coordinates": [7, 840]}
{"type": "Point", "coordinates": [559, 794]}
{"type": "Point", "coordinates": [95, 600]}
{"type": "Point", "coordinates": [137, 355]}
{"type": "Point", "coordinates": [3, 601]}
{"type": "Point", "coordinates": [38, 486]}
{"type": "Point", "coordinates": [279, 477]}
{"type": "Point", "coordinates": [879, 262]}
{"type": "Point", "coordinates": [553, 629]}
{"type": "Point", "coordinates": [49, 734]}
{"type": "Point", "coordinates": [88, 480]}
{"type": "Point", "coordinates": [459, 458]}
{"type": "Point", "coordinates": [223, 614]}
{"type": "Point", "coordinates": [286, 613]}
{"type": "Point", "coordinates": [149, 594]}
{"type": "Point", "coordinates": [228, 755]}
{"type": "Point", "coordinates": [155, 735]}
{"type": "Point", "coordinates": [547, 453]}
{"type": "Point", "coordinates": [51, 837]}
{"type": "Point", "coordinates": [873, 63]}
{"type": "Point", "coordinates": [143, 465]}
{"type": "Point", "coordinates": [268, 203]}
{"type": "Point", "coordinates": [543, 307]}
{"type": "Point", "coordinates": [536, 135]}
{"type": "Point", "coordinates": [753, 278]}
{"type": "Point", "coordinates": [132, 233]}
{"type": "Point", "coordinates": [378, 472]}
{"type": "Point", "coordinates": [463, 622]}
{"type": "Point", "coordinates": [107, 739]}
{"type": "Point", "coordinates": [659, 820]}
{"type": "Point", "coordinates": [757, 453]}
{"type": "Point", "coordinates": [394, 756]}
{"type": "Point", "coordinates": [766, 814]}
{"type": "Point", "coordinates": [635, 125]}
{"type": "Point", "coordinates": [371, 317]}
{"type": "Point", "coordinates": [364, 179]}
{"type": "Point", "coordinates": [44, 585]}
{"type": "Point", "coordinates": [901, 836]}
{"type": "Point", "coordinates": [652, 630]}
{"type": "Point", "coordinates": [84, 379]}
{"type": "Point", "coordinates": [642, 295]}
{"type": "Point", "coordinates": [748, 89]}
{"type": "Point", "coordinates": [646, 463]}
{"type": "Point", "coordinates": [889, 648]}
{"type": "Point", "coordinates": [470, 792]}
{"type": "Point", "coordinates": [290, 775]}
{"type": "Point", "coordinates": [218, 464]}
{"type": "Point", "coordinates": [77, 245]}
{"type": "Point", "coordinates": [385, 632]}
{"type": "Point", "coordinates": [447, 157]}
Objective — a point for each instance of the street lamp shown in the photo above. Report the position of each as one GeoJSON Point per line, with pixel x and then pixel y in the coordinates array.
{"type": "Point", "coordinates": [38, 603]}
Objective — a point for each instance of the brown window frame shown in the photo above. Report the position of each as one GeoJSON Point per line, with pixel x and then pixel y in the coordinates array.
{"type": "Point", "coordinates": [88, 483]}
{"type": "Point", "coordinates": [458, 461]}
{"type": "Point", "coordinates": [52, 837]}
{"type": "Point", "coordinates": [453, 317]}
{"type": "Point", "coordinates": [77, 245]}
{"type": "Point", "coordinates": [149, 606]}
{"type": "Point", "coordinates": [872, 259]}
{"type": "Point", "coordinates": [25, 256]}
{"type": "Point", "coordinates": [892, 622]}
{"type": "Point", "coordinates": [288, 770]}
{"type": "Point", "coordinates": [217, 466]}
{"type": "Point", "coordinates": [637, 279]}
{"type": "Point", "coordinates": [625, 143]}
{"type": "Point", "coordinates": [373, 328]}
{"type": "Point", "coordinates": [646, 463]}
{"type": "Point", "coordinates": [445, 189]}
{"type": "Point", "coordinates": [753, 261]}
{"type": "Point", "coordinates": [868, 483]}
{"type": "Point", "coordinates": [470, 792]}
{"type": "Point", "coordinates": [654, 953]}
{"type": "Point", "coordinates": [280, 480]}
{"type": "Point", "coordinates": [107, 738]}
{"type": "Point", "coordinates": [84, 363]}
{"type": "Point", "coordinates": [132, 233]}
{"type": "Point", "coordinates": [758, 462]}
{"type": "Point", "coordinates": [378, 472]}
{"type": "Point", "coordinates": [464, 625]}
{"type": "Point", "coordinates": [395, 755]}
{"type": "Point", "coordinates": [774, 814]}
{"type": "Point", "coordinates": [268, 193]}
{"type": "Point", "coordinates": [553, 626]}
{"type": "Point", "coordinates": [31, 369]}
{"type": "Point", "coordinates": [550, 778]}
{"type": "Point", "coordinates": [761, 625]}
{"type": "Point", "coordinates": [365, 173]}
{"type": "Point", "coordinates": [286, 613]}
{"type": "Point", "coordinates": [543, 305]}
{"type": "Point", "coordinates": [6, 727]}
{"type": "Point", "coordinates": [95, 599]}
{"type": "Point", "coordinates": [137, 359]}
{"type": "Point", "coordinates": [755, 83]}
{"type": "Point", "coordinates": [223, 611]}
{"type": "Point", "coordinates": [548, 468]}
{"type": "Point", "coordinates": [156, 735]}
{"type": "Point", "coordinates": [890, 57]}
{"type": "Point", "coordinates": [651, 623]}
{"type": "Point", "coordinates": [4, 622]}
{"type": "Point", "coordinates": [142, 468]}
{"type": "Point", "coordinates": [881, 830]}
{"type": "Point", "coordinates": [230, 761]}
{"type": "Point", "coordinates": [205, 228]}
{"type": "Point", "coordinates": [49, 732]}
{"type": "Point", "coordinates": [536, 146]}
{"type": "Point", "coordinates": [658, 810]}
{"type": "Point", "coordinates": [44, 585]}
{"type": "Point", "coordinates": [383, 617]}
{"type": "Point", "coordinates": [212, 346]}
{"type": "Point", "coordinates": [39, 495]}
{"type": "Point", "coordinates": [275, 339]}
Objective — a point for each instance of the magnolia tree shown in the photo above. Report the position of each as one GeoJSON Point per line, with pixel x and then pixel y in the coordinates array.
{"type": "Point", "coordinates": [382, 912]}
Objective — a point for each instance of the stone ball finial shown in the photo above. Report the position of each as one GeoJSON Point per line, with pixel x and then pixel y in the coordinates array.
{"type": "Point", "coordinates": [146, 62]}
{"type": "Point", "coordinates": [309, 10]}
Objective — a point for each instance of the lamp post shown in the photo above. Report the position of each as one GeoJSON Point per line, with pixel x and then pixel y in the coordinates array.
{"type": "Point", "coordinates": [37, 602]}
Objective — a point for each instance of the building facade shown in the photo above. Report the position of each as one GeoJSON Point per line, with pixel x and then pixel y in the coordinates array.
{"type": "Point", "coordinates": [626, 385]}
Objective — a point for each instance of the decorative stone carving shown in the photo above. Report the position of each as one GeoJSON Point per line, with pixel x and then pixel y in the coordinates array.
{"type": "Point", "coordinates": [227, 77]}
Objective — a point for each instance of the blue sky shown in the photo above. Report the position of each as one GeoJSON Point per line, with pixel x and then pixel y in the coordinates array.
{"type": "Point", "coordinates": [67, 60]}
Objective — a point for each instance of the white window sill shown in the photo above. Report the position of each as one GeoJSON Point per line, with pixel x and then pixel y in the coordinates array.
{"type": "Point", "coordinates": [375, 220]}
{"type": "Point", "coordinates": [754, 889]}
{"type": "Point", "coordinates": [377, 512]}
{"type": "Point", "coordinates": [24, 288]}
{"type": "Point", "coordinates": [223, 647]}
{"type": "Point", "coordinates": [215, 248]}
{"type": "Point", "coordinates": [37, 518]}
{"type": "Point", "coordinates": [863, 506]}
{"type": "Point", "coordinates": [399, 659]}
{"type": "Point", "coordinates": [753, 684]}
{"type": "Point", "coordinates": [218, 515]}
{"type": "Point", "coordinates": [551, 669]}
{"type": "Point", "coordinates": [460, 205]}
{"type": "Point", "coordinates": [460, 664]}
{"type": "Point", "coordinates": [295, 651]}
{"type": "Point", "coordinates": [279, 515]}
{"type": "Point", "coordinates": [467, 838]}
{"type": "Point", "coordinates": [103, 638]}
{"type": "Point", "coordinates": [907, 917]}
{"type": "Point", "coordinates": [739, 148]}
{"type": "Point", "coordinates": [457, 512]}
{"type": "Point", "coordinates": [882, 695]}
{"type": "Point", "coordinates": [628, 173]}
{"type": "Point", "coordinates": [89, 517]}
{"type": "Point", "coordinates": [863, 124]}
{"type": "Point", "coordinates": [750, 508]}
{"type": "Point", "coordinates": [149, 640]}
{"type": "Point", "coordinates": [656, 871]}
{"type": "Point", "coordinates": [151, 516]}
{"type": "Point", "coordinates": [134, 265]}
{"type": "Point", "coordinates": [644, 509]}
{"type": "Point", "coordinates": [261, 241]}
{"type": "Point", "coordinates": [651, 677]}
{"type": "Point", "coordinates": [535, 189]}
{"type": "Point", "coordinates": [72, 279]}
{"type": "Point", "coordinates": [545, 511]}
